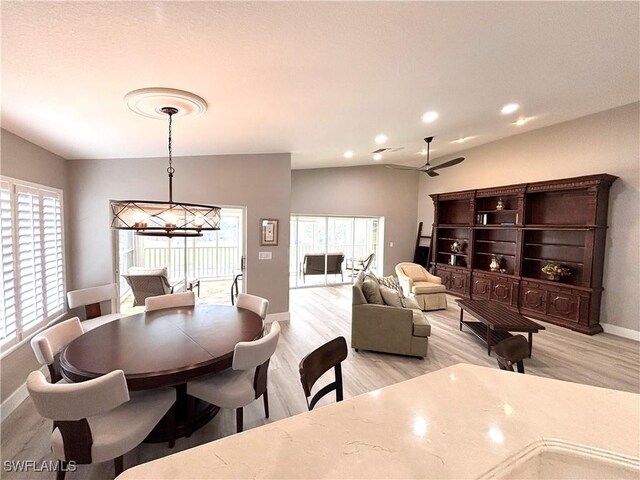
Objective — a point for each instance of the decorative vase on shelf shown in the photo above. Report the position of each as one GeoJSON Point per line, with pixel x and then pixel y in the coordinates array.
{"type": "Point", "coordinates": [494, 266]}
{"type": "Point", "coordinates": [456, 247]}
{"type": "Point", "coordinates": [500, 205]}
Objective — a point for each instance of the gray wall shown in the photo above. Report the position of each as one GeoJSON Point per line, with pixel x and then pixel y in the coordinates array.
{"type": "Point", "coordinates": [262, 183]}
{"type": "Point", "coordinates": [24, 160]}
{"type": "Point", "coordinates": [606, 142]}
{"type": "Point", "coordinates": [363, 191]}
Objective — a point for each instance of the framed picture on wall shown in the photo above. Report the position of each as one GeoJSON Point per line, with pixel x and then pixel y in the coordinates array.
{"type": "Point", "coordinates": [268, 231]}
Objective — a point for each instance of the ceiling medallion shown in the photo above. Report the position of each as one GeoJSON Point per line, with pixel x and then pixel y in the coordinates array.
{"type": "Point", "coordinates": [149, 102]}
{"type": "Point", "coordinates": [161, 218]}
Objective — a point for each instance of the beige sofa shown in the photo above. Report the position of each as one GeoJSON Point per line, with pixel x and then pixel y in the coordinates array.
{"type": "Point", "coordinates": [427, 289]}
{"type": "Point", "coordinates": [383, 328]}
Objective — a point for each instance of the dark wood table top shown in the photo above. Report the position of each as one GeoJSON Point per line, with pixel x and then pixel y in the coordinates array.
{"type": "Point", "coordinates": [163, 347]}
{"type": "Point", "coordinates": [498, 317]}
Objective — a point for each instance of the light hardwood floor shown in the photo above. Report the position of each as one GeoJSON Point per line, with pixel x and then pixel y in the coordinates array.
{"type": "Point", "coordinates": [319, 314]}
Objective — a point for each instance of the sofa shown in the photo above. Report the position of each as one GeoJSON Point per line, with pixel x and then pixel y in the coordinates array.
{"type": "Point", "coordinates": [386, 328]}
{"type": "Point", "coordinates": [417, 282]}
{"type": "Point", "coordinates": [314, 264]}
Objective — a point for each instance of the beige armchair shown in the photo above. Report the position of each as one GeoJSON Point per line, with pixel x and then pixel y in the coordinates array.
{"type": "Point", "coordinates": [383, 328]}
{"type": "Point", "coordinates": [426, 288]}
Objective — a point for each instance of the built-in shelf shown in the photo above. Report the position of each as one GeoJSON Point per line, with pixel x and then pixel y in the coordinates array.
{"type": "Point", "coordinates": [551, 260]}
{"type": "Point", "coordinates": [496, 211]}
{"type": "Point", "coordinates": [496, 254]}
{"type": "Point", "coordinates": [561, 245]}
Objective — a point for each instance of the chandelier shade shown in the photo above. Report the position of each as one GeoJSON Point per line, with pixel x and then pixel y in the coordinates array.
{"type": "Point", "coordinates": [164, 219]}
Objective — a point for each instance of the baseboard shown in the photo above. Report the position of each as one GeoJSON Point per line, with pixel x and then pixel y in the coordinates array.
{"type": "Point", "coordinates": [13, 401]}
{"type": "Point", "coordinates": [278, 317]}
{"type": "Point", "coordinates": [621, 331]}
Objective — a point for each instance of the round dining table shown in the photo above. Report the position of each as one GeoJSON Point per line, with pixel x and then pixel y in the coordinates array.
{"type": "Point", "coordinates": [162, 348]}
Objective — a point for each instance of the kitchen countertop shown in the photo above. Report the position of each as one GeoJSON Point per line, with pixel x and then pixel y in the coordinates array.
{"type": "Point", "coordinates": [458, 422]}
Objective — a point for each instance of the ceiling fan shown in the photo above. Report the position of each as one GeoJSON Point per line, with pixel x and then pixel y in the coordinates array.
{"type": "Point", "coordinates": [427, 167]}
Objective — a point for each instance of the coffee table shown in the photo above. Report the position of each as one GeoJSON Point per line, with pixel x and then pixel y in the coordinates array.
{"type": "Point", "coordinates": [495, 322]}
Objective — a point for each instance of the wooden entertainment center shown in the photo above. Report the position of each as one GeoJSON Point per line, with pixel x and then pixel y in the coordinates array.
{"type": "Point", "coordinates": [507, 234]}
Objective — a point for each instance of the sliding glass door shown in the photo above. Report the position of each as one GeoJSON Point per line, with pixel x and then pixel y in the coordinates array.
{"type": "Point", "coordinates": [329, 250]}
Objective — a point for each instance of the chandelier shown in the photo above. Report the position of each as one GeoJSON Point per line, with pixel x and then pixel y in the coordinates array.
{"type": "Point", "coordinates": [164, 219]}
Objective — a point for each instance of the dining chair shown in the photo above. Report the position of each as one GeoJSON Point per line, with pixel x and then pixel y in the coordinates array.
{"type": "Point", "coordinates": [317, 363]}
{"type": "Point", "coordinates": [240, 385]}
{"type": "Point", "coordinates": [173, 300]}
{"type": "Point", "coordinates": [98, 420]}
{"type": "Point", "coordinates": [49, 343]}
{"type": "Point", "coordinates": [254, 303]}
{"type": "Point", "coordinates": [510, 351]}
{"type": "Point", "coordinates": [90, 299]}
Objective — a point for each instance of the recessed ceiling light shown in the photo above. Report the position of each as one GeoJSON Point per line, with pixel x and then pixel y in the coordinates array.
{"type": "Point", "coordinates": [521, 121]}
{"type": "Point", "coordinates": [510, 108]}
{"type": "Point", "coordinates": [461, 139]}
{"type": "Point", "coordinates": [348, 154]}
{"type": "Point", "coordinates": [377, 156]}
{"type": "Point", "coordinates": [380, 139]}
{"type": "Point", "coordinates": [429, 117]}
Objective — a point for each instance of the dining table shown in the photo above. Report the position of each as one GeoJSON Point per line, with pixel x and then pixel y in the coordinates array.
{"type": "Point", "coordinates": [161, 348]}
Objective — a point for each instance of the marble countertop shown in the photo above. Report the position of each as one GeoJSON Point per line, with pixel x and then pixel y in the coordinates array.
{"type": "Point", "coordinates": [457, 422]}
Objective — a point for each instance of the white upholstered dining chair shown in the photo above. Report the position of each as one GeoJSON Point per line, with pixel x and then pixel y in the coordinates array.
{"type": "Point", "coordinates": [90, 299]}
{"type": "Point", "coordinates": [98, 420]}
{"type": "Point", "coordinates": [49, 343]}
{"type": "Point", "coordinates": [254, 303]}
{"type": "Point", "coordinates": [240, 385]}
{"type": "Point", "coordinates": [172, 300]}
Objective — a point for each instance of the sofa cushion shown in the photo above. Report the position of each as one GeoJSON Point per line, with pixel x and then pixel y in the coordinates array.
{"type": "Point", "coordinates": [421, 326]}
{"type": "Point", "coordinates": [412, 303]}
{"type": "Point", "coordinates": [427, 287]}
{"type": "Point", "coordinates": [371, 291]}
{"type": "Point", "coordinates": [415, 272]}
{"type": "Point", "coordinates": [391, 297]}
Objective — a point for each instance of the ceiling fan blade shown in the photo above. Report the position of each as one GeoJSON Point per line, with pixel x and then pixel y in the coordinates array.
{"type": "Point", "coordinates": [431, 173]}
{"type": "Point", "coordinates": [450, 163]}
{"type": "Point", "coordinates": [402, 167]}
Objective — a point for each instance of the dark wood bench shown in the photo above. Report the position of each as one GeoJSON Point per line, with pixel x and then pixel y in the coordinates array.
{"type": "Point", "coordinates": [314, 264]}
{"type": "Point", "coordinates": [495, 322]}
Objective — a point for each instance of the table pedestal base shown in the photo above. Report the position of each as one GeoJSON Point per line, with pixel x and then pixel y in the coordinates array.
{"type": "Point", "coordinates": [204, 413]}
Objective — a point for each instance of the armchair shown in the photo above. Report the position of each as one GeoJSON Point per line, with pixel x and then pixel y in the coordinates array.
{"type": "Point", "coordinates": [426, 288]}
{"type": "Point", "coordinates": [148, 282]}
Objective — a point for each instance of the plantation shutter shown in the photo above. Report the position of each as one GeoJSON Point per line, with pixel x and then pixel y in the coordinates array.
{"type": "Point", "coordinates": [32, 254]}
{"type": "Point", "coordinates": [53, 253]}
{"type": "Point", "coordinates": [29, 226]}
{"type": "Point", "coordinates": [7, 284]}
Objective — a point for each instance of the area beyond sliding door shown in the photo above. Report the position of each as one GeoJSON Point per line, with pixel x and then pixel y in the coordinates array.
{"type": "Point", "coordinates": [327, 250]}
{"type": "Point", "coordinates": [214, 259]}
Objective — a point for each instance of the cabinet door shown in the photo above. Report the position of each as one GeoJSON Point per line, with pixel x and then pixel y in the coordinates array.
{"type": "Point", "coordinates": [532, 298]}
{"type": "Point", "coordinates": [445, 275]}
{"type": "Point", "coordinates": [564, 305]}
{"type": "Point", "coordinates": [502, 290]}
{"type": "Point", "coordinates": [481, 287]}
{"type": "Point", "coordinates": [460, 283]}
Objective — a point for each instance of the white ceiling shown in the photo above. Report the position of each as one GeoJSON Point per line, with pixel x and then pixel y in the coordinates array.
{"type": "Point", "coordinates": [313, 79]}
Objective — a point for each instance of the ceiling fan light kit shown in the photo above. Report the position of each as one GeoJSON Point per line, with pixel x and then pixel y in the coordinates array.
{"type": "Point", "coordinates": [164, 218]}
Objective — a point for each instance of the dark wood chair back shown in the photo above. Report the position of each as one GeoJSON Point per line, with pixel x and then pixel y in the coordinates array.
{"type": "Point", "coordinates": [510, 351]}
{"type": "Point", "coordinates": [317, 363]}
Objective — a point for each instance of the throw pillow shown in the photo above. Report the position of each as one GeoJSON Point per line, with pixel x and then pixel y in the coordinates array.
{"type": "Point", "coordinates": [391, 297]}
{"type": "Point", "coordinates": [392, 282]}
{"type": "Point", "coordinates": [411, 303]}
{"type": "Point", "coordinates": [371, 291]}
{"type": "Point", "coordinates": [415, 273]}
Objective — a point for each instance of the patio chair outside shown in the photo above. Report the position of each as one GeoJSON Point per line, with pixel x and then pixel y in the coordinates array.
{"type": "Point", "coordinates": [147, 282]}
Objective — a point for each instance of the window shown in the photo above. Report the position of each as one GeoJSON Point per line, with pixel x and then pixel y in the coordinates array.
{"type": "Point", "coordinates": [32, 252]}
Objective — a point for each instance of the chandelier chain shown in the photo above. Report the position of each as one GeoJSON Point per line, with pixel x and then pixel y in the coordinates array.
{"type": "Point", "coordinates": [170, 170]}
